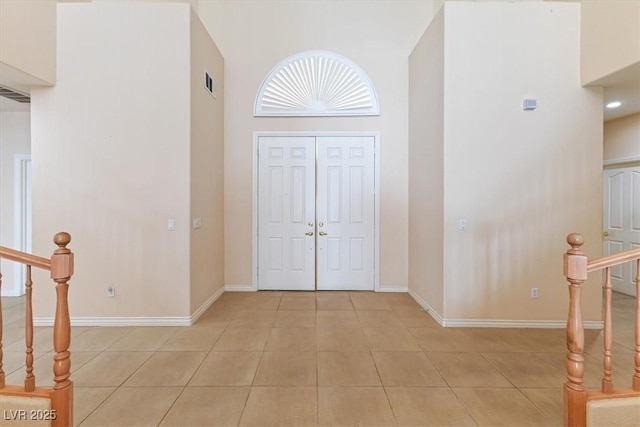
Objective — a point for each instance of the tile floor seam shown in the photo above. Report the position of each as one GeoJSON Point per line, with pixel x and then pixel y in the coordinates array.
{"type": "Point", "coordinates": [97, 407]}
{"type": "Point", "coordinates": [497, 370]}
{"type": "Point", "coordinates": [437, 370]}
{"type": "Point", "coordinates": [532, 402]}
{"type": "Point", "coordinates": [172, 404]}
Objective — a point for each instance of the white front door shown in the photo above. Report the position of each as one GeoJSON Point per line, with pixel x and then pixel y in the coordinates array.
{"type": "Point", "coordinates": [286, 206]}
{"type": "Point", "coordinates": [345, 213]}
{"type": "Point", "coordinates": [316, 234]}
{"type": "Point", "coordinates": [621, 218]}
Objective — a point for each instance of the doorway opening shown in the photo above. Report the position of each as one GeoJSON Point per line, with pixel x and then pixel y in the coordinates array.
{"type": "Point", "coordinates": [621, 219]}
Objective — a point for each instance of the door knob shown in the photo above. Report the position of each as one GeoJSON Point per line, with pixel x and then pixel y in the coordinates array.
{"type": "Point", "coordinates": [605, 234]}
{"type": "Point", "coordinates": [322, 233]}
{"type": "Point", "coordinates": [309, 233]}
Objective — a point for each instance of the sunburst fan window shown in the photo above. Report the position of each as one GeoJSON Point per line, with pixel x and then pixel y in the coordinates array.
{"type": "Point", "coordinates": [316, 83]}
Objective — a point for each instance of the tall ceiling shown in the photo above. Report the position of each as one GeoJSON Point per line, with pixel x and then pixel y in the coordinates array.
{"type": "Point", "coordinates": [622, 86]}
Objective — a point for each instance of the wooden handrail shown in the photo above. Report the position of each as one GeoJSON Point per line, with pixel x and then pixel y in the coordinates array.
{"type": "Point", "coordinates": [61, 267]}
{"type": "Point", "coordinates": [576, 268]}
{"type": "Point", "coordinates": [612, 260]}
{"type": "Point", "coordinates": [25, 258]}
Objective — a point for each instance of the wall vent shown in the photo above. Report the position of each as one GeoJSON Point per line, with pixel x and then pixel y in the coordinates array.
{"type": "Point", "coordinates": [15, 96]}
{"type": "Point", "coordinates": [210, 84]}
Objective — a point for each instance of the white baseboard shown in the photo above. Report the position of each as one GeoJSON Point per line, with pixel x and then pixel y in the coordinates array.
{"type": "Point", "coordinates": [241, 288]}
{"type": "Point", "coordinates": [506, 323]}
{"type": "Point", "coordinates": [11, 293]}
{"type": "Point", "coordinates": [137, 321]}
{"type": "Point", "coordinates": [498, 323]}
{"type": "Point", "coordinates": [436, 316]}
{"type": "Point", "coordinates": [119, 321]}
{"type": "Point", "coordinates": [205, 306]}
{"type": "Point", "coordinates": [387, 288]}
{"type": "Point", "coordinates": [253, 288]}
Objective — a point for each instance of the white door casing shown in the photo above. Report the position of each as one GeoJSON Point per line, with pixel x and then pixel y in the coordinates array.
{"type": "Point", "coordinates": [287, 213]}
{"type": "Point", "coordinates": [621, 218]}
{"type": "Point", "coordinates": [345, 213]}
{"type": "Point", "coordinates": [346, 189]}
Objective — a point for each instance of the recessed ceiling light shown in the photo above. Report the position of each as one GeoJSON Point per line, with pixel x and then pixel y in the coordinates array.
{"type": "Point", "coordinates": [614, 104]}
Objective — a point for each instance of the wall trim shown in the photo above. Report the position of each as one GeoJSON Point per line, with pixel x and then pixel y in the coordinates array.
{"type": "Point", "coordinates": [138, 321]}
{"type": "Point", "coordinates": [422, 303]}
{"type": "Point", "coordinates": [391, 288]}
{"type": "Point", "coordinates": [376, 183]}
{"type": "Point", "coordinates": [241, 288]}
{"type": "Point", "coordinates": [119, 321]}
{"type": "Point", "coordinates": [498, 323]}
{"type": "Point", "coordinates": [506, 323]}
{"type": "Point", "coordinates": [622, 160]}
{"type": "Point", "coordinates": [208, 303]}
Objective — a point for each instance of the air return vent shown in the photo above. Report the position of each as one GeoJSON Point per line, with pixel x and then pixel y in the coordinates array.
{"type": "Point", "coordinates": [16, 96]}
{"type": "Point", "coordinates": [210, 84]}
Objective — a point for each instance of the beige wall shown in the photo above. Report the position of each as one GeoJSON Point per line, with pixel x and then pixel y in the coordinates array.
{"type": "Point", "coordinates": [610, 37]}
{"type": "Point", "coordinates": [254, 37]}
{"type": "Point", "coordinates": [523, 180]}
{"type": "Point", "coordinates": [622, 139]}
{"type": "Point", "coordinates": [426, 163]}
{"type": "Point", "coordinates": [27, 43]}
{"type": "Point", "coordinates": [207, 167]}
{"type": "Point", "coordinates": [15, 139]}
{"type": "Point", "coordinates": [111, 161]}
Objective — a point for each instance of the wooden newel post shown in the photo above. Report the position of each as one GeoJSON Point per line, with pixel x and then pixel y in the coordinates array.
{"type": "Point", "coordinates": [61, 272]}
{"type": "Point", "coordinates": [575, 397]}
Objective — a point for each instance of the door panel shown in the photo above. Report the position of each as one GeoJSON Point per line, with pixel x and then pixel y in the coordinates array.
{"type": "Point", "coordinates": [286, 207]}
{"type": "Point", "coordinates": [621, 218]}
{"type": "Point", "coordinates": [345, 213]}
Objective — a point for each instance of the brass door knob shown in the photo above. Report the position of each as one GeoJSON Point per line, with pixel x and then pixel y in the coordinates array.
{"type": "Point", "coordinates": [322, 233]}
{"type": "Point", "coordinates": [309, 233]}
{"type": "Point", "coordinates": [605, 234]}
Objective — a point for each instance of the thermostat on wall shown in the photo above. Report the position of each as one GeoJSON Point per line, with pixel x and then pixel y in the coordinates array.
{"type": "Point", "coordinates": [529, 104]}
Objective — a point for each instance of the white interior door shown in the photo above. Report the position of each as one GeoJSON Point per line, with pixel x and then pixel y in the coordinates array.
{"type": "Point", "coordinates": [295, 252]}
{"type": "Point", "coordinates": [345, 213]}
{"type": "Point", "coordinates": [286, 219]}
{"type": "Point", "coordinates": [621, 218]}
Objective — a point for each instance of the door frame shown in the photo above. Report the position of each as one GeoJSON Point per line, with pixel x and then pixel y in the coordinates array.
{"type": "Point", "coordinates": [376, 183]}
{"type": "Point", "coordinates": [21, 217]}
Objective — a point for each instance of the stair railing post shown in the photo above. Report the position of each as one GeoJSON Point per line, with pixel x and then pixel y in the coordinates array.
{"type": "Point", "coordinates": [61, 272]}
{"type": "Point", "coordinates": [575, 397]}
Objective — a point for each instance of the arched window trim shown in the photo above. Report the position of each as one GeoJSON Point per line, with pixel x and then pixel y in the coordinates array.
{"type": "Point", "coordinates": [316, 83]}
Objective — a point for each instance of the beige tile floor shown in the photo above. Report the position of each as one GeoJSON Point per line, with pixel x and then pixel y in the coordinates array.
{"type": "Point", "coordinates": [326, 358]}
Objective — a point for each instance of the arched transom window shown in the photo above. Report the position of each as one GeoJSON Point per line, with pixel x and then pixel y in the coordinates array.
{"type": "Point", "coordinates": [316, 83]}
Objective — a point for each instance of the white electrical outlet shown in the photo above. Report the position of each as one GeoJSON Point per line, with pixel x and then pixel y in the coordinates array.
{"type": "Point", "coordinates": [534, 292]}
{"type": "Point", "coordinates": [196, 223]}
{"type": "Point", "coordinates": [111, 291]}
{"type": "Point", "coordinates": [171, 224]}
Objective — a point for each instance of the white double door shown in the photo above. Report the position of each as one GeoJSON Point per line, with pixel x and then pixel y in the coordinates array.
{"type": "Point", "coordinates": [316, 207]}
{"type": "Point", "coordinates": [621, 217]}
